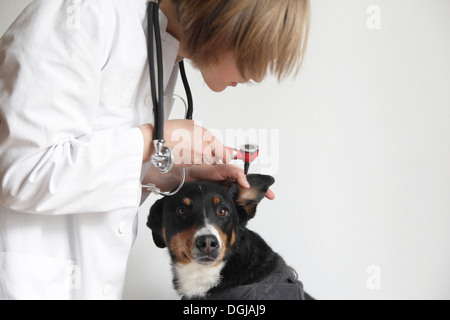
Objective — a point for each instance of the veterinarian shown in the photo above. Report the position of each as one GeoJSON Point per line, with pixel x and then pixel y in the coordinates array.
{"type": "Point", "coordinates": [75, 137]}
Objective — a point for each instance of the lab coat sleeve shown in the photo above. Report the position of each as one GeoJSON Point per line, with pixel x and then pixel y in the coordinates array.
{"type": "Point", "coordinates": [52, 161]}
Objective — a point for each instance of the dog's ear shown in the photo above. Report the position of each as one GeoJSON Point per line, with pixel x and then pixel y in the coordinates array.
{"type": "Point", "coordinates": [155, 223]}
{"type": "Point", "coordinates": [246, 200]}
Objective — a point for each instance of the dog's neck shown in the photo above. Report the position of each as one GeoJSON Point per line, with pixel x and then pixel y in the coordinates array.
{"type": "Point", "coordinates": [252, 260]}
{"type": "Point", "coordinates": [194, 280]}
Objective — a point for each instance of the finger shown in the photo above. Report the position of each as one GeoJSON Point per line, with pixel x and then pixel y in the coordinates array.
{"type": "Point", "coordinates": [270, 195]}
{"type": "Point", "coordinates": [214, 149]}
{"type": "Point", "coordinates": [226, 155]}
{"type": "Point", "coordinates": [242, 180]}
{"type": "Point", "coordinates": [210, 155]}
{"type": "Point", "coordinates": [220, 152]}
{"type": "Point", "coordinates": [232, 174]}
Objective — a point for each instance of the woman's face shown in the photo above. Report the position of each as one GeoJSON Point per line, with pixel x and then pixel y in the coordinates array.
{"type": "Point", "coordinates": [224, 74]}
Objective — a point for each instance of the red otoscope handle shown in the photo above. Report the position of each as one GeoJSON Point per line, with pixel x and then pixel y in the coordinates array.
{"type": "Point", "coordinates": [247, 153]}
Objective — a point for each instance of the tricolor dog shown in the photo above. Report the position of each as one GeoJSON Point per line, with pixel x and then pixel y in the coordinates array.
{"type": "Point", "coordinates": [214, 256]}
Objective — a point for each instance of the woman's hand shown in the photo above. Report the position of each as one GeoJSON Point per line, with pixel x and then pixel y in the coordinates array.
{"type": "Point", "coordinates": [190, 144]}
{"type": "Point", "coordinates": [196, 149]}
{"type": "Point", "coordinates": [222, 173]}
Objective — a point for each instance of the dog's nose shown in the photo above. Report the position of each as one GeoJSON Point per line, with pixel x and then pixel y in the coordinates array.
{"type": "Point", "coordinates": [207, 244]}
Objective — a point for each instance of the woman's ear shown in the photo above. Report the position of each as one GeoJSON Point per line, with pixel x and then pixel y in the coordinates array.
{"type": "Point", "coordinates": [154, 222]}
{"type": "Point", "coordinates": [246, 200]}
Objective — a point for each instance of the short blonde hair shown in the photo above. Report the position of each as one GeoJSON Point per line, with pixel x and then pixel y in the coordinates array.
{"type": "Point", "coordinates": [265, 35]}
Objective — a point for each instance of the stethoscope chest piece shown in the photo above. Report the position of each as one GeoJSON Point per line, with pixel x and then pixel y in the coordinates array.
{"type": "Point", "coordinates": [163, 157]}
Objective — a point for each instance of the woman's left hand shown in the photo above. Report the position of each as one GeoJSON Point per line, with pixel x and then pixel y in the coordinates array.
{"type": "Point", "coordinates": [222, 173]}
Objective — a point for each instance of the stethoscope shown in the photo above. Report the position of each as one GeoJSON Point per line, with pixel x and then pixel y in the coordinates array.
{"type": "Point", "coordinates": [163, 157]}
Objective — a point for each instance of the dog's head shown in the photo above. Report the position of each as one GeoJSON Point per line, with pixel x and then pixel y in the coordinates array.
{"type": "Point", "coordinates": [202, 222]}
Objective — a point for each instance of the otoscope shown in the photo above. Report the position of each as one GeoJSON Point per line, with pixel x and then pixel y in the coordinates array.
{"type": "Point", "coordinates": [247, 153]}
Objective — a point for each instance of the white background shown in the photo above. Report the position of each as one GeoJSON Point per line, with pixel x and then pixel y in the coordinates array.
{"type": "Point", "coordinates": [362, 161]}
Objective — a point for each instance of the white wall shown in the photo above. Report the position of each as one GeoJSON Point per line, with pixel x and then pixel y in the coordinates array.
{"type": "Point", "coordinates": [9, 10]}
{"type": "Point", "coordinates": [363, 173]}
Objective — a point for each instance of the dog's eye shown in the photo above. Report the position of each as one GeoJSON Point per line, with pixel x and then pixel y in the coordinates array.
{"type": "Point", "coordinates": [182, 211]}
{"type": "Point", "coordinates": [223, 213]}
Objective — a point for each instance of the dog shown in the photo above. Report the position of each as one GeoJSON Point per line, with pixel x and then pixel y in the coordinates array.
{"type": "Point", "coordinates": [214, 256]}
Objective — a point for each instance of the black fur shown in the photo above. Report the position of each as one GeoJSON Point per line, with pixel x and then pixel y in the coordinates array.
{"type": "Point", "coordinates": [252, 257]}
{"type": "Point", "coordinates": [252, 269]}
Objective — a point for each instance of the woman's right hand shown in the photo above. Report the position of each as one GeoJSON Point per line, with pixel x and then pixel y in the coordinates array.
{"type": "Point", "coordinates": [190, 143]}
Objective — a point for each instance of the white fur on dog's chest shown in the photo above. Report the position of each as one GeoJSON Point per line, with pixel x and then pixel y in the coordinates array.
{"type": "Point", "coordinates": [195, 280]}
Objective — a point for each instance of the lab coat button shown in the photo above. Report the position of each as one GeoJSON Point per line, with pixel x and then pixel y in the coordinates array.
{"type": "Point", "coordinates": [107, 290]}
{"type": "Point", "coordinates": [122, 227]}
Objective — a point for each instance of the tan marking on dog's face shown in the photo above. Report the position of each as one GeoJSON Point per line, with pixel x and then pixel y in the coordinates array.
{"type": "Point", "coordinates": [182, 244]}
{"type": "Point", "coordinates": [216, 200]}
{"type": "Point", "coordinates": [187, 201]}
{"type": "Point", "coordinates": [164, 235]}
{"type": "Point", "coordinates": [233, 238]}
{"type": "Point", "coordinates": [225, 246]}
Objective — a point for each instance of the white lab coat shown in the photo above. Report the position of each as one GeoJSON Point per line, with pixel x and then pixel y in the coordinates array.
{"type": "Point", "coordinates": [74, 87]}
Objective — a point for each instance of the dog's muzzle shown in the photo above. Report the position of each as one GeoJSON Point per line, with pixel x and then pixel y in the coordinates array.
{"type": "Point", "coordinates": [207, 246]}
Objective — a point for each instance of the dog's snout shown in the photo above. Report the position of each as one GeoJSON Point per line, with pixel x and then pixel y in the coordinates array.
{"type": "Point", "coordinates": [207, 244]}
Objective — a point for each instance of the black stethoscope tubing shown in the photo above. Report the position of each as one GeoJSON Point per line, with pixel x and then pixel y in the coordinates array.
{"type": "Point", "coordinates": [162, 159]}
{"type": "Point", "coordinates": [154, 37]}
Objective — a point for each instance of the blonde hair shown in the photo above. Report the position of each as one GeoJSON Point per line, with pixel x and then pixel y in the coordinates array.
{"type": "Point", "coordinates": [265, 35]}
